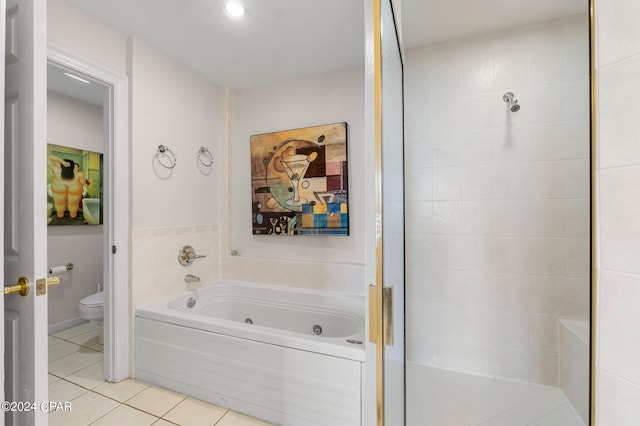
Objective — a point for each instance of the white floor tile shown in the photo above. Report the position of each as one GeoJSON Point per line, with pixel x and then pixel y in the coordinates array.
{"type": "Point", "coordinates": [54, 341]}
{"type": "Point", "coordinates": [440, 397]}
{"type": "Point", "coordinates": [88, 339]}
{"type": "Point", "coordinates": [508, 418]}
{"type": "Point", "coordinates": [162, 422]}
{"type": "Point", "coordinates": [98, 347]}
{"type": "Point", "coordinates": [564, 415]}
{"type": "Point", "coordinates": [121, 391]}
{"type": "Point", "coordinates": [63, 391]}
{"type": "Point", "coordinates": [476, 414]}
{"type": "Point", "coordinates": [76, 361]}
{"type": "Point", "coordinates": [194, 412]}
{"type": "Point", "coordinates": [125, 415]}
{"type": "Point", "coordinates": [89, 377]}
{"type": "Point", "coordinates": [75, 331]}
{"type": "Point", "coordinates": [235, 419]}
{"type": "Point", "coordinates": [62, 349]}
{"type": "Point", "coordinates": [542, 404]}
{"type": "Point", "coordinates": [155, 400]}
{"type": "Point", "coordinates": [85, 409]}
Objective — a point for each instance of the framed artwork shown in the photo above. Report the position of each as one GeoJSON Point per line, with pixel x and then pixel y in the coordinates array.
{"type": "Point", "coordinates": [299, 181]}
{"type": "Point", "coordinates": [74, 186]}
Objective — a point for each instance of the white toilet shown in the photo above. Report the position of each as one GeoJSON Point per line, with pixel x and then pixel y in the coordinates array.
{"type": "Point", "coordinates": [92, 308]}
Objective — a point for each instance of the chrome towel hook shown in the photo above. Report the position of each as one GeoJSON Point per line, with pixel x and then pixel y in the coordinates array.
{"type": "Point", "coordinates": [164, 152]}
{"type": "Point", "coordinates": [205, 157]}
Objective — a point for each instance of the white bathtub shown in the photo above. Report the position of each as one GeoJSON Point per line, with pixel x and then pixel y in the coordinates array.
{"type": "Point", "coordinates": [276, 368]}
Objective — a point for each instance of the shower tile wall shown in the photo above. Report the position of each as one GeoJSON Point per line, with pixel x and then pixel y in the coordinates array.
{"type": "Point", "coordinates": [497, 202]}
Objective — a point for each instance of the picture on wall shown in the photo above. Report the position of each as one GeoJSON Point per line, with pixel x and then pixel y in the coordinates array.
{"type": "Point", "coordinates": [299, 181]}
{"type": "Point", "coordinates": [74, 186]}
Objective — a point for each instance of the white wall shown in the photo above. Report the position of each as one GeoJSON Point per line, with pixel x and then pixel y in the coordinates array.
{"type": "Point", "coordinates": [76, 124]}
{"type": "Point", "coordinates": [86, 36]}
{"type": "Point", "coordinates": [618, 210]}
{"type": "Point", "coordinates": [497, 202]}
{"type": "Point", "coordinates": [329, 262]}
{"type": "Point", "coordinates": [173, 106]}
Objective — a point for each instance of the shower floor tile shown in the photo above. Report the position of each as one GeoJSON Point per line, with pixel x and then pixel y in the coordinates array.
{"type": "Point", "coordinates": [437, 397]}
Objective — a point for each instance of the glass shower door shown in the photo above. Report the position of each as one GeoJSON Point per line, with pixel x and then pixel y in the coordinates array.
{"type": "Point", "coordinates": [392, 217]}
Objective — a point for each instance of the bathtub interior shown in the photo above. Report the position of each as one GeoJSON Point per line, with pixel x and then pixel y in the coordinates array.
{"type": "Point", "coordinates": [305, 312]}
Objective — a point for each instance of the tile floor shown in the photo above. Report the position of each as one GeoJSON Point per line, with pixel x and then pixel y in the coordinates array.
{"type": "Point", "coordinates": [75, 374]}
{"type": "Point", "coordinates": [438, 397]}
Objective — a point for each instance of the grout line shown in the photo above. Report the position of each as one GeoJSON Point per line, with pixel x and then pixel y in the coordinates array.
{"type": "Point", "coordinates": [221, 417]}
{"type": "Point", "coordinates": [114, 408]}
{"type": "Point", "coordinates": [77, 344]}
{"type": "Point", "coordinates": [122, 402]}
{"type": "Point", "coordinates": [165, 420]}
{"type": "Point", "coordinates": [155, 415]}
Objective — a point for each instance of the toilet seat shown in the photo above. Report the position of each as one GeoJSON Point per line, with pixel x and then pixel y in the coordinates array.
{"type": "Point", "coordinates": [93, 300]}
{"type": "Point", "coordinates": [92, 307]}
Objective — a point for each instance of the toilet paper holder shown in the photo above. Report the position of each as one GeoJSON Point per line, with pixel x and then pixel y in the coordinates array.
{"type": "Point", "coordinates": [56, 269]}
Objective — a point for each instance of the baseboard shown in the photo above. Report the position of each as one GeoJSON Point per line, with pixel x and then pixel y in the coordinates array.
{"type": "Point", "coordinates": [54, 328]}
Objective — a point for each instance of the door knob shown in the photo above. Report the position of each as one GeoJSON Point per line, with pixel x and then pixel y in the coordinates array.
{"type": "Point", "coordinates": [22, 287]}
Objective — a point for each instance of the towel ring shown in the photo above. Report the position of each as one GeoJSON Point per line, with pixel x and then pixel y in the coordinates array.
{"type": "Point", "coordinates": [164, 151]}
{"type": "Point", "coordinates": [205, 157]}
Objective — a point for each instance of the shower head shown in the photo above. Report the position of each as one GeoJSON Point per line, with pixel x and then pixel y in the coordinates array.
{"type": "Point", "coordinates": [513, 102]}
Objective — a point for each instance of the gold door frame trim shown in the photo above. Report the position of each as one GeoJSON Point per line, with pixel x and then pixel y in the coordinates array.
{"type": "Point", "coordinates": [377, 83]}
{"type": "Point", "coordinates": [594, 203]}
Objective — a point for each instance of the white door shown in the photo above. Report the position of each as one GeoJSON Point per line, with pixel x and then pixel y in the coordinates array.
{"type": "Point", "coordinates": [2, 239]}
{"type": "Point", "coordinates": [25, 229]}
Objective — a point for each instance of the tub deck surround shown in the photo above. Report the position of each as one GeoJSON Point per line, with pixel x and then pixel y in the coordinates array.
{"type": "Point", "coordinates": [276, 369]}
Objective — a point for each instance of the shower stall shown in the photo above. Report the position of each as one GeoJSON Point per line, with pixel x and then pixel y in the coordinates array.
{"type": "Point", "coordinates": [497, 224]}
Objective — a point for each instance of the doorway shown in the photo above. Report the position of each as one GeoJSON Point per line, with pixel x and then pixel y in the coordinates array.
{"type": "Point", "coordinates": [76, 141]}
{"type": "Point", "coordinates": [102, 95]}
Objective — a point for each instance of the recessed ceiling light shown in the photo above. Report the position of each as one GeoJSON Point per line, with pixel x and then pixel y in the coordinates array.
{"type": "Point", "coordinates": [235, 10]}
{"type": "Point", "coordinates": [75, 77]}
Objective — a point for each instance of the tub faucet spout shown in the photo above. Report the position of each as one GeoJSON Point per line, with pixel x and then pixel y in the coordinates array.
{"type": "Point", "coordinates": [189, 278]}
{"type": "Point", "coordinates": [192, 281]}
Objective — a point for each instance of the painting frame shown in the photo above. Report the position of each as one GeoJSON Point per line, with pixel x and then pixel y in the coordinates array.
{"type": "Point", "coordinates": [299, 181]}
{"type": "Point", "coordinates": [74, 186]}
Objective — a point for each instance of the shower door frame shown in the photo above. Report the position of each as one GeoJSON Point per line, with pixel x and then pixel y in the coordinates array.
{"type": "Point", "coordinates": [593, 210]}
{"type": "Point", "coordinates": [380, 299]}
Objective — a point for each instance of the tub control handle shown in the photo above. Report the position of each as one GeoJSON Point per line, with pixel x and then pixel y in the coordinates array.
{"type": "Point", "coordinates": [187, 255]}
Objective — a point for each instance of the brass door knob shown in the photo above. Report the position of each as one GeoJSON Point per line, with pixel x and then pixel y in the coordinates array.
{"type": "Point", "coordinates": [22, 287]}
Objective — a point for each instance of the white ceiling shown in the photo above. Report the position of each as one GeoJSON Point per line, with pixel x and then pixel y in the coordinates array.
{"type": "Point", "coordinates": [281, 39]}
{"type": "Point", "coordinates": [91, 92]}
{"type": "Point", "coordinates": [286, 39]}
